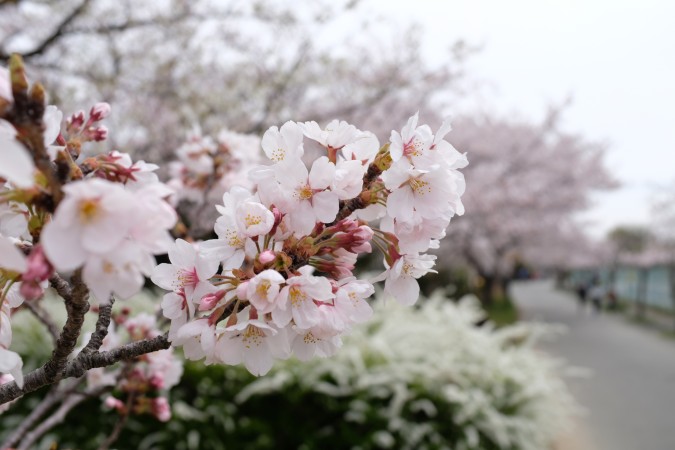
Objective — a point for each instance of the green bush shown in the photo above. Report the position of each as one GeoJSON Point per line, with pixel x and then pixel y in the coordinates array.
{"type": "Point", "coordinates": [410, 379]}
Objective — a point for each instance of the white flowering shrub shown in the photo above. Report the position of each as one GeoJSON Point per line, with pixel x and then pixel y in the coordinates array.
{"type": "Point", "coordinates": [423, 378]}
{"type": "Point", "coordinates": [427, 378]}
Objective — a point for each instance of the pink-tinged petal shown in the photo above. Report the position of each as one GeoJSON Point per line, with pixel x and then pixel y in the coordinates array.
{"type": "Point", "coordinates": [166, 276]}
{"type": "Point", "coordinates": [6, 85]}
{"type": "Point", "coordinates": [235, 261]}
{"type": "Point", "coordinates": [192, 329]}
{"type": "Point", "coordinates": [400, 203]}
{"type": "Point", "coordinates": [129, 283]}
{"type": "Point", "coordinates": [306, 314]}
{"type": "Point", "coordinates": [206, 267]}
{"type": "Point", "coordinates": [304, 345]}
{"type": "Point", "coordinates": [208, 340]}
{"type": "Point", "coordinates": [408, 130]}
{"type": "Point", "coordinates": [278, 344]}
{"type": "Point", "coordinates": [302, 218]}
{"type": "Point", "coordinates": [445, 128]}
{"type": "Point", "coordinates": [292, 135]}
{"type": "Point", "coordinates": [396, 146]}
{"type": "Point", "coordinates": [172, 305]}
{"type": "Point", "coordinates": [292, 173]}
{"type": "Point", "coordinates": [258, 360]}
{"type": "Point", "coordinates": [11, 257]}
{"type": "Point", "coordinates": [326, 205]}
{"type": "Point", "coordinates": [228, 349]}
{"type": "Point", "coordinates": [217, 249]}
{"type": "Point", "coordinates": [104, 236]}
{"type": "Point", "coordinates": [52, 120]}
{"type": "Point", "coordinates": [62, 247]}
{"type": "Point", "coordinates": [10, 362]}
{"type": "Point", "coordinates": [322, 174]}
{"type": "Point", "coordinates": [405, 290]}
{"type": "Point", "coordinates": [183, 254]}
{"type": "Point", "coordinates": [397, 174]}
{"type": "Point", "coordinates": [16, 165]}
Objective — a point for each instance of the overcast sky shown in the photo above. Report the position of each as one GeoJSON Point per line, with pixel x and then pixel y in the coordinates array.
{"type": "Point", "coordinates": [616, 58]}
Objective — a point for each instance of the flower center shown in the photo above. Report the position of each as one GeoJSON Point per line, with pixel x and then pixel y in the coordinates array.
{"type": "Point", "coordinates": [251, 220]}
{"type": "Point", "coordinates": [89, 210]}
{"type": "Point", "coordinates": [233, 240]}
{"type": "Point", "coordinates": [420, 187]}
{"type": "Point", "coordinates": [263, 288]}
{"type": "Point", "coordinates": [278, 155]}
{"type": "Point", "coordinates": [310, 338]}
{"type": "Point", "coordinates": [297, 296]}
{"type": "Point", "coordinates": [304, 192]}
{"type": "Point", "coordinates": [413, 148]}
{"type": "Point", "coordinates": [253, 336]}
{"type": "Point", "coordinates": [187, 278]}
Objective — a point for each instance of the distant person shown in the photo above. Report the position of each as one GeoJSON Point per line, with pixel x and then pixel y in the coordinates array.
{"type": "Point", "coordinates": [582, 297]}
{"type": "Point", "coordinates": [596, 294]}
{"type": "Point", "coordinates": [612, 300]}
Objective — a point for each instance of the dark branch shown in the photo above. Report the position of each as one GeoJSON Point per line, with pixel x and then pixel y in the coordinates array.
{"type": "Point", "coordinates": [96, 340]}
{"type": "Point", "coordinates": [55, 35]}
{"type": "Point", "coordinates": [80, 365]}
{"type": "Point", "coordinates": [43, 316]}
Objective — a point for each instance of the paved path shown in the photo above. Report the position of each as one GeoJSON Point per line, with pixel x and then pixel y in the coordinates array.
{"type": "Point", "coordinates": [630, 396]}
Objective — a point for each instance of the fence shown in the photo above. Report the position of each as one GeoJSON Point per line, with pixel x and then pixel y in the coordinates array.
{"type": "Point", "coordinates": [627, 283]}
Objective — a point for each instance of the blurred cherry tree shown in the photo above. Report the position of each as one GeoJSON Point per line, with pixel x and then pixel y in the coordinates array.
{"type": "Point", "coordinates": [527, 181]}
{"type": "Point", "coordinates": [170, 64]}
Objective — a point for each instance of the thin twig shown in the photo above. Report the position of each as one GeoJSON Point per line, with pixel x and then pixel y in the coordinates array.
{"type": "Point", "coordinates": [56, 418]}
{"type": "Point", "coordinates": [43, 316]}
{"type": "Point", "coordinates": [120, 423]}
{"type": "Point", "coordinates": [53, 397]}
{"type": "Point", "coordinates": [80, 365]}
{"type": "Point", "coordinates": [52, 371]}
{"type": "Point", "coordinates": [102, 323]}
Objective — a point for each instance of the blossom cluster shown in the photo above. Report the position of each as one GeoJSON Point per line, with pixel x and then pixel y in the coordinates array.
{"type": "Point", "coordinates": [107, 223]}
{"type": "Point", "coordinates": [140, 386]}
{"type": "Point", "coordinates": [279, 278]}
{"type": "Point", "coordinates": [206, 168]}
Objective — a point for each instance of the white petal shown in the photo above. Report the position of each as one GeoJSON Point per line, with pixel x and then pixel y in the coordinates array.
{"type": "Point", "coordinates": [11, 257]}
{"type": "Point", "coordinates": [16, 165]}
{"type": "Point", "coordinates": [326, 205]}
{"type": "Point", "coordinates": [322, 174]}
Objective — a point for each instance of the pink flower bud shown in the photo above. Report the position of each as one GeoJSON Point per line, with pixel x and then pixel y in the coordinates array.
{"type": "Point", "coordinates": [161, 409]}
{"type": "Point", "coordinates": [97, 134]}
{"type": "Point", "coordinates": [99, 111]}
{"type": "Point", "coordinates": [278, 217]}
{"type": "Point", "coordinates": [114, 403]}
{"type": "Point", "coordinates": [75, 122]}
{"type": "Point", "coordinates": [157, 381]}
{"type": "Point", "coordinates": [209, 301]}
{"type": "Point", "coordinates": [267, 256]}
{"type": "Point", "coordinates": [38, 270]}
{"type": "Point", "coordinates": [241, 290]}
{"type": "Point", "coordinates": [31, 291]}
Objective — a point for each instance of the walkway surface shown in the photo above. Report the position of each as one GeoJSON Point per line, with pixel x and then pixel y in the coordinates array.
{"type": "Point", "coordinates": [630, 394]}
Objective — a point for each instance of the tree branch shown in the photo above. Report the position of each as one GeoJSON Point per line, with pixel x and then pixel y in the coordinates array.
{"type": "Point", "coordinates": [127, 352]}
{"type": "Point", "coordinates": [96, 340]}
{"type": "Point", "coordinates": [55, 35]}
{"type": "Point", "coordinates": [53, 397]}
{"type": "Point", "coordinates": [74, 399]}
{"type": "Point", "coordinates": [76, 306]}
{"type": "Point", "coordinates": [43, 316]}
{"type": "Point", "coordinates": [81, 364]}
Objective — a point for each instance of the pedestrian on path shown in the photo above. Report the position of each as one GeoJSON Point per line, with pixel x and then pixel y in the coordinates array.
{"type": "Point", "coordinates": [596, 294]}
